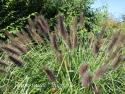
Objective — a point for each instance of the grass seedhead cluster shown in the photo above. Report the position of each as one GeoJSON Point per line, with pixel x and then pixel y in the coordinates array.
{"type": "Point", "coordinates": [59, 54]}
{"type": "Point", "coordinates": [112, 54]}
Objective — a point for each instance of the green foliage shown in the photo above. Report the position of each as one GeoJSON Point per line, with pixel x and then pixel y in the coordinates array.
{"type": "Point", "coordinates": [15, 12]}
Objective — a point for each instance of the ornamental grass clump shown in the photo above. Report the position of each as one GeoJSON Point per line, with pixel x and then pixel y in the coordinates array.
{"type": "Point", "coordinates": [33, 48]}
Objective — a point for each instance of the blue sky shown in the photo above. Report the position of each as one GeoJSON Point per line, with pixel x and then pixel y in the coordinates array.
{"type": "Point", "coordinates": [115, 7]}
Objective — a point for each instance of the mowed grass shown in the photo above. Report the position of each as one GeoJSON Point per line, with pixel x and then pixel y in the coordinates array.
{"type": "Point", "coordinates": [32, 79]}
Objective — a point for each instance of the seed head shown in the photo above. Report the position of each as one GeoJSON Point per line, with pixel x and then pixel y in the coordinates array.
{"type": "Point", "coordinates": [82, 69]}
{"type": "Point", "coordinates": [10, 49]}
{"type": "Point", "coordinates": [86, 79]}
{"type": "Point", "coordinates": [100, 71]}
{"type": "Point", "coordinates": [49, 74]}
{"type": "Point", "coordinates": [16, 60]}
{"type": "Point", "coordinates": [116, 60]}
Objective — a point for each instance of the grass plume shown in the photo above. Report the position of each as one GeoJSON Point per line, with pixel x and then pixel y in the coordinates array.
{"type": "Point", "coordinates": [43, 24]}
{"type": "Point", "coordinates": [20, 47]}
{"type": "Point", "coordinates": [116, 60]}
{"type": "Point", "coordinates": [50, 74]}
{"type": "Point", "coordinates": [82, 69]}
{"type": "Point", "coordinates": [10, 49]}
{"type": "Point", "coordinates": [73, 33]}
{"type": "Point", "coordinates": [113, 40]}
{"type": "Point", "coordinates": [16, 60]}
{"type": "Point", "coordinates": [53, 41]}
{"type": "Point", "coordinates": [60, 27]}
{"type": "Point", "coordinates": [100, 71]}
{"type": "Point", "coordinates": [3, 63]}
{"type": "Point", "coordinates": [32, 31]}
{"type": "Point", "coordinates": [86, 79]}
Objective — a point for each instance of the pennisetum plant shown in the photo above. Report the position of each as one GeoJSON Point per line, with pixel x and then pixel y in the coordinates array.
{"type": "Point", "coordinates": [17, 46]}
{"type": "Point", "coordinates": [82, 69]}
{"type": "Point", "coordinates": [53, 41]}
{"type": "Point", "coordinates": [111, 59]}
{"type": "Point", "coordinates": [60, 27]}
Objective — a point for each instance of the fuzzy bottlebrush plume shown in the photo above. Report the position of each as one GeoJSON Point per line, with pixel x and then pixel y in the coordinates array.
{"type": "Point", "coordinates": [9, 35]}
{"type": "Point", "coordinates": [21, 38]}
{"type": "Point", "coordinates": [32, 31]}
{"type": "Point", "coordinates": [86, 79]}
{"type": "Point", "coordinates": [82, 69]}
{"type": "Point", "coordinates": [69, 45]}
{"type": "Point", "coordinates": [54, 44]}
{"type": "Point", "coordinates": [40, 20]}
{"type": "Point", "coordinates": [16, 60]}
{"type": "Point", "coordinates": [114, 53]}
{"type": "Point", "coordinates": [96, 46]}
{"type": "Point", "coordinates": [113, 40]}
{"type": "Point", "coordinates": [3, 63]}
{"type": "Point", "coordinates": [60, 27]}
{"type": "Point", "coordinates": [95, 43]}
{"type": "Point", "coordinates": [20, 47]}
{"type": "Point", "coordinates": [24, 37]}
{"type": "Point", "coordinates": [100, 71]}
{"type": "Point", "coordinates": [50, 74]}
{"type": "Point", "coordinates": [42, 26]}
{"type": "Point", "coordinates": [116, 60]}
{"type": "Point", "coordinates": [73, 33]}
{"type": "Point", "coordinates": [10, 49]}
{"type": "Point", "coordinates": [33, 34]}
{"type": "Point", "coordinates": [62, 31]}
{"type": "Point", "coordinates": [40, 31]}
{"type": "Point", "coordinates": [53, 41]}
{"type": "Point", "coordinates": [43, 34]}
{"type": "Point", "coordinates": [17, 40]}
{"type": "Point", "coordinates": [27, 38]}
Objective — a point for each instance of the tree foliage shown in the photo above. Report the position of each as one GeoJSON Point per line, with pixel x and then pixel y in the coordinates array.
{"type": "Point", "coordinates": [14, 13]}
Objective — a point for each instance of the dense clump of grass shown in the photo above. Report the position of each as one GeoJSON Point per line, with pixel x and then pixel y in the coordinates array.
{"type": "Point", "coordinates": [63, 62]}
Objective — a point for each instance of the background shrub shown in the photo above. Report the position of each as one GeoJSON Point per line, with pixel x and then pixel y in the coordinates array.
{"type": "Point", "coordinates": [14, 13]}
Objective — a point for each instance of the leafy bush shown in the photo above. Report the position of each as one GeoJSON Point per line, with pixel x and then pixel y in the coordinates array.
{"type": "Point", "coordinates": [15, 12]}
